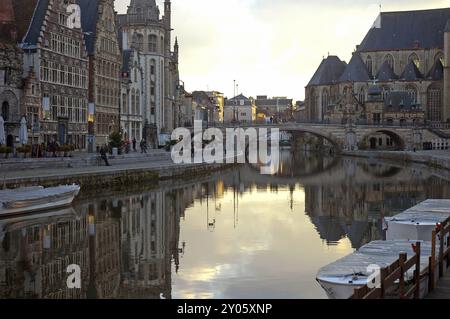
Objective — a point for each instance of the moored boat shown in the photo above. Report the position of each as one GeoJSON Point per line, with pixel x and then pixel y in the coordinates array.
{"type": "Point", "coordinates": [341, 278]}
{"type": "Point", "coordinates": [418, 222]}
{"type": "Point", "coordinates": [27, 200]}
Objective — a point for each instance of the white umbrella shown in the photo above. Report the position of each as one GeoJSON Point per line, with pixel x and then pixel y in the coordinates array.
{"type": "Point", "coordinates": [2, 131]}
{"type": "Point", "coordinates": [23, 132]}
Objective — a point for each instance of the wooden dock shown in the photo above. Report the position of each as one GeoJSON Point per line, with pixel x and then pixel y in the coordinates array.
{"type": "Point", "coordinates": [442, 290]}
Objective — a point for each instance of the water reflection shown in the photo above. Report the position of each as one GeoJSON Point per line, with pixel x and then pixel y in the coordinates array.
{"type": "Point", "coordinates": [235, 234]}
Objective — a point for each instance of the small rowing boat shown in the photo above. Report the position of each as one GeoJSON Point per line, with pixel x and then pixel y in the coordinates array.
{"type": "Point", "coordinates": [27, 200]}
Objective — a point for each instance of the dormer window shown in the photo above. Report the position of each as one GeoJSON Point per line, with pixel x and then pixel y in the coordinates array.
{"type": "Point", "coordinates": [415, 59]}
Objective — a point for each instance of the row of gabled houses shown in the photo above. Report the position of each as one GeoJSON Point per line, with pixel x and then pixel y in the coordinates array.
{"type": "Point", "coordinates": [78, 83]}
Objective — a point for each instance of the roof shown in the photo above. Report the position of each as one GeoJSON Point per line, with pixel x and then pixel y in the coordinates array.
{"type": "Point", "coordinates": [33, 18]}
{"type": "Point", "coordinates": [273, 102]}
{"type": "Point", "coordinates": [411, 72]}
{"type": "Point", "coordinates": [329, 71]}
{"type": "Point", "coordinates": [356, 71]}
{"type": "Point", "coordinates": [386, 73]}
{"type": "Point", "coordinates": [89, 17]}
{"type": "Point", "coordinates": [407, 30]}
{"type": "Point", "coordinates": [437, 71]}
{"type": "Point", "coordinates": [399, 100]}
{"type": "Point", "coordinates": [237, 100]}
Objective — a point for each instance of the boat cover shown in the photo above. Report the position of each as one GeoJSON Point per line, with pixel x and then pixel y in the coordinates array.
{"type": "Point", "coordinates": [428, 212]}
{"type": "Point", "coordinates": [380, 253]}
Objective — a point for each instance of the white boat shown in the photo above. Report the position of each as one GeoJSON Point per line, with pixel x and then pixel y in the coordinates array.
{"type": "Point", "coordinates": [341, 278]}
{"type": "Point", "coordinates": [27, 200]}
{"type": "Point", "coordinates": [418, 222]}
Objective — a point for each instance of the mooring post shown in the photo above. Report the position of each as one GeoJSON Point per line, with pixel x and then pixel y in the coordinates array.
{"type": "Point", "coordinates": [417, 272]}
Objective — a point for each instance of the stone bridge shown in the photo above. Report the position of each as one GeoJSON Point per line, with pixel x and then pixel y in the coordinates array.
{"type": "Point", "coordinates": [350, 137]}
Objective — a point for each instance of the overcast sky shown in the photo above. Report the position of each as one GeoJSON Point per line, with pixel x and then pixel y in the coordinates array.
{"type": "Point", "coordinates": [270, 47]}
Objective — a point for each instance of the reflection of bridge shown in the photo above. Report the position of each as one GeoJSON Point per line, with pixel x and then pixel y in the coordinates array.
{"type": "Point", "coordinates": [349, 137]}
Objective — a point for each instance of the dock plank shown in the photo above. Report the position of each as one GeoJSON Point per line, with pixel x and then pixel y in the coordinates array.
{"type": "Point", "coordinates": [442, 290]}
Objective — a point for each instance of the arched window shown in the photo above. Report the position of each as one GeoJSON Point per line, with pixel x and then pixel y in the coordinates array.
{"type": "Point", "coordinates": [5, 111]}
{"type": "Point", "coordinates": [412, 92]}
{"type": "Point", "coordinates": [140, 42]}
{"type": "Point", "coordinates": [362, 96]}
{"type": "Point", "coordinates": [414, 58]}
{"type": "Point", "coordinates": [138, 102]}
{"type": "Point", "coordinates": [390, 60]}
{"type": "Point", "coordinates": [434, 107]}
{"type": "Point", "coordinates": [152, 43]}
{"type": "Point", "coordinates": [133, 100]}
{"type": "Point", "coordinates": [440, 57]}
{"type": "Point", "coordinates": [369, 64]}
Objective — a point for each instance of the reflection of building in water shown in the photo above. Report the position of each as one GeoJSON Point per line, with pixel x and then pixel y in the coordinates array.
{"type": "Point", "coordinates": [35, 254]}
{"type": "Point", "coordinates": [150, 228]}
{"type": "Point", "coordinates": [104, 249]}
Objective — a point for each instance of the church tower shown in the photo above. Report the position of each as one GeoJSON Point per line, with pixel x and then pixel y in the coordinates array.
{"type": "Point", "coordinates": [446, 102]}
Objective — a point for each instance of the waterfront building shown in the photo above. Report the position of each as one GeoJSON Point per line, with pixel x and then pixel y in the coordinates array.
{"type": "Point", "coordinates": [10, 72]}
{"type": "Point", "coordinates": [218, 101]}
{"type": "Point", "coordinates": [186, 114]}
{"type": "Point", "coordinates": [276, 108]}
{"type": "Point", "coordinates": [241, 109]}
{"type": "Point", "coordinates": [144, 30]}
{"type": "Point", "coordinates": [204, 107]}
{"type": "Point", "coordinates": [55, 55]}
{"type": "Point", "coordinates": [98, 21]}
{"type": "Point", "coordinates": [404, 55]}
{"type": "Point", "coordinates": [132, 85]}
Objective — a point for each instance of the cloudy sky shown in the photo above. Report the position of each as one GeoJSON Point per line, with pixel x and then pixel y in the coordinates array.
{"type": "Point", "coordinates": [269, 47]}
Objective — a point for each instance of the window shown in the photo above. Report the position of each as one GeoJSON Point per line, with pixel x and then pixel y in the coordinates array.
{"type": "Point", "coordinates": [325, 101]}
{"type": "Point", "coordinates": [412, 92]}
{"type": "Point", "coordinates": [390, 60]}
{"type": "Point", "coordinates": [152, 43]}
{"type": "Point", "coordinates": [362, 96]}
{"type": "Point", "coordinates": [434, 107]}
{"type": "Point", "coordinates": [385, 92]}
{"type": "Point", "coordinates": [414, 58]}
{"type": "Point", "coordinates": [440, 57]}
{"type": "Point", "coordinates": [5, 111]}
{"type": "Point", "coordinates": [369, 65]}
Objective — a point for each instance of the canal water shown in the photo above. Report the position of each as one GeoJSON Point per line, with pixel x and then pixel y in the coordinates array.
{"type": "Point", "coordinates": [235, 234]}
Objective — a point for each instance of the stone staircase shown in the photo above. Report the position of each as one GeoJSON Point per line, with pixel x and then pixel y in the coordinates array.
{"type": "Point", "coordinates": [80, 160]}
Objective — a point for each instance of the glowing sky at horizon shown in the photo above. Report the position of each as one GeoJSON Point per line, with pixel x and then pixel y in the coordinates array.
{"type": "Point", "coordinates": [269, 47]}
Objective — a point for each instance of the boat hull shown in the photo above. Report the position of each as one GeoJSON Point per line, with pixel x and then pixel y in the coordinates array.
{"type": "Point", "coordinates": [46, 204]}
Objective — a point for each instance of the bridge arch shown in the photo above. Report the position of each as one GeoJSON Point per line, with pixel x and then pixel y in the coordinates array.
{"type": "Point", "coordinates": [368, 139]}
{"type": "Point", "coordinates": [317, 133]}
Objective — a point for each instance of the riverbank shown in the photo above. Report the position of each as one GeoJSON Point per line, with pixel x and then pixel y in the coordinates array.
{"type": "Point", "coordinates": [101, 176]}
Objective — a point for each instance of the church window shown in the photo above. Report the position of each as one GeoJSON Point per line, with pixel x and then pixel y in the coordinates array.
{"type": "Point", "coordinates": [412, 92]}
{"type": "Point", "coordinates": [362, 96]}
{"type": "Point", "coordinates": [414, 58]}
{"type": "Point", "coordinates": [390, 60]}
{"type": "Point", "coordinates": [434, 109]}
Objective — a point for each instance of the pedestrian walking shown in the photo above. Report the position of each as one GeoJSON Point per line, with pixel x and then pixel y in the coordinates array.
{"type": "Point", "coordinates": [134, 145]}
{"type": "Point", "coordinates": [104, 155]}
{"type": "Point", "coordinates": [143, 146]}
